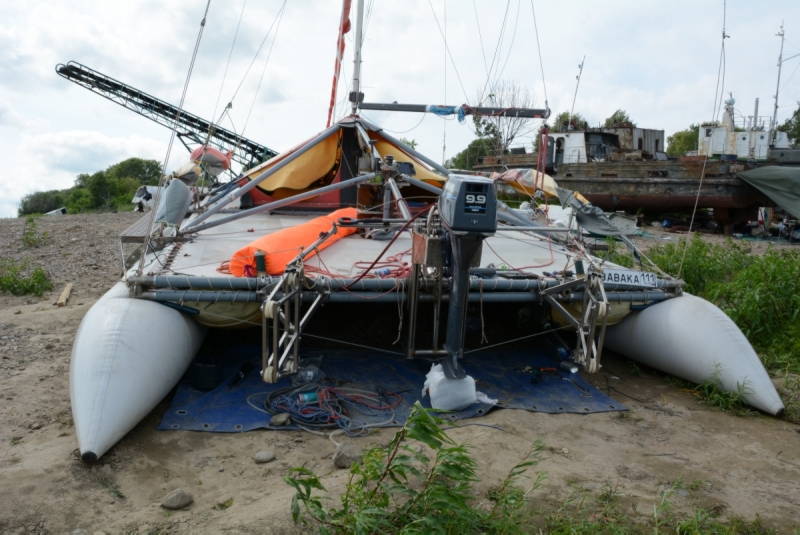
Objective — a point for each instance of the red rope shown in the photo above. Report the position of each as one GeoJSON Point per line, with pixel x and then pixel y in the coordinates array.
{"type": "Point", "coordinates": [344, 27]}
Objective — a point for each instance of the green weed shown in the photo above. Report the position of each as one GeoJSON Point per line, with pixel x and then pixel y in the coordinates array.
{"type": "Point", "coordinates": [584, 513]}
{"type": "Point", "coordinates": [31, 235]}
{"type": "Point", "coordinates": [400, 489]}
{"type": "Point", "coordinates": [760, 293]}
{"type": "Point", "coordinates": [18, 279]}
{"type": "Point", "coordinates": [712, 393]}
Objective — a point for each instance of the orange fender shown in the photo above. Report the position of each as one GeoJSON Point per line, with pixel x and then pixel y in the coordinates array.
{"type": "Point", "coordinates": [283, 246]}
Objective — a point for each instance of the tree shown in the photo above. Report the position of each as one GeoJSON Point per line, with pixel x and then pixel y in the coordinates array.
{"type": "Point", "coordinates": [41, 202]}
{"type": "Point", "coordinates": [683, 141]}
{"type": "Point", "coordinates": [564, 121]}
{"type": "Point", "coordinates": [112, 188]}
{"type": "Point", "coordinates": [146, 172]}
{"type": "Point", "coordinates": [792, 126]}
{"type": "Point", "coordinates": [619, 118]}
{"type": "Point", "coordinates": [476, 150]}
{"type": "Point", "coordinates": [503, 130]}
{"type": "Point", "coordinates": [410, 142]}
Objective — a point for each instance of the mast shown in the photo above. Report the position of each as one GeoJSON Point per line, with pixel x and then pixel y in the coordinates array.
{"type": "Point", "coordinates": [575, 96]}
{"type": "Point", "coordinates": [356, 96]}
{"type": "Point", "coordinates": [774, 124]}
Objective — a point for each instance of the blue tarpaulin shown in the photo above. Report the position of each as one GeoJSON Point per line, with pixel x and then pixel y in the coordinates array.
{"type": "Point", "coordinates": [513, 377]}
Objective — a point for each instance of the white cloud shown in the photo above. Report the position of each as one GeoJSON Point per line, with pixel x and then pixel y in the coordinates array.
{"type": "Point", "coordinates": [657, 60]}
{"type": "Point", "coordinates": [53, 160]}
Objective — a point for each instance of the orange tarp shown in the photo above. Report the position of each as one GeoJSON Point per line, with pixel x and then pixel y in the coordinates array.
{"type": "Point", "coordinates": [283, 246]}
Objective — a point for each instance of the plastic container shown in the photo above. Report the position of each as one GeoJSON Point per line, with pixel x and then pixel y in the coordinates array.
{"type": "Point", "coordinates": [448, 394]}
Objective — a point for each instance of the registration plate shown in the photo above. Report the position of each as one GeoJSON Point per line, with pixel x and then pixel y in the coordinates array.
{"type": "Point", "coordinates": [630, 277]}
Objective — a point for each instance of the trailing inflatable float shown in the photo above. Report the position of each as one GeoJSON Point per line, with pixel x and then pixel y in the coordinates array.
{"type": "Point", "coordinates": [128, 354]}
{"type": "Point", "coordinates": [690, 338]}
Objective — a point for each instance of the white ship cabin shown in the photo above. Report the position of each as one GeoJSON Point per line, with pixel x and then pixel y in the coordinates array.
{"type": "Point", "coordinates": [727, 140]}
{"type": "Point", "coordinates": [597, 144]}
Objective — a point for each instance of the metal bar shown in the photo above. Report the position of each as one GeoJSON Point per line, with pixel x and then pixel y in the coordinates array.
{"type": "Point", "coordinates": [422, 185]}
{"type": "Point", "coordinates": [517, 339]}
{"type": "Point", "coordinates": [528, 113]}
{"type": "Point", "coordinates": [255, 181]}
{"type": "Point", "coordinates": [357, 56]}
{"type": "Point", "coordinates": [401, 202]}
{"type": "Point", "coordinates": [185, 282]}
{"type": "Point", "coordinates": [408, 150]}
{"type": "Point", "coordinates": [370, 297]}
{"type": "Point", "coordinates": [354, 344]}
{"type": "Point", "coordinates": [274, 205]}
{"type": "Point", "coordinates": [387, 203]}
{"type": "Point", "coordinates": [521, 228]}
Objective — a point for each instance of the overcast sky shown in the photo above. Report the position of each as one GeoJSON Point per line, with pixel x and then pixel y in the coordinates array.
{"type": "Point", "coordinates": [657, 60]}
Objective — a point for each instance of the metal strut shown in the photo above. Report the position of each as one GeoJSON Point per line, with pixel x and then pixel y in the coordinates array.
{"type": "Point", "coordinates": [282, 325]}
{"type": "Point", "coordinates": [590, 325]}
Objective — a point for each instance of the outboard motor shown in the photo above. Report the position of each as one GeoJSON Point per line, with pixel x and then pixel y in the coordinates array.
{"type": "Point", "coordinates": [468, 210]}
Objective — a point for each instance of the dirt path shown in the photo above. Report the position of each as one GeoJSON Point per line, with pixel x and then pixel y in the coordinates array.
{"type": "Point", "coordinates": [736, 466]}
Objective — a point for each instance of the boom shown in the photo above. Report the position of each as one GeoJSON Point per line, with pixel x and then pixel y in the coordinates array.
{"type": "Point", "coordinates": [187, 125]}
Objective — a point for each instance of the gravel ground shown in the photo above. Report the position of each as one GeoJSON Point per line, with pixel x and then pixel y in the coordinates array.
{"type": "Point", "coordinates": [737, 466]}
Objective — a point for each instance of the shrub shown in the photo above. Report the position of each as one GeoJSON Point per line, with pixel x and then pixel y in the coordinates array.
{"type": "Point", "coordinates": [31, 235]}
{"type": "Point", "coordinates": [17, 279]}
{"type": "Point", "coordinates": [399, 489]}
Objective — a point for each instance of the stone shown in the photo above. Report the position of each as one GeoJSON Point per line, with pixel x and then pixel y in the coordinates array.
{"type": "Point", "coordinates": [282, 418]}
{"type": "Point", "coordinates": [264, 456]}
{"type": "Point", "coordinates": [177, 499]}
{"type": "Point", "coordinates": [346, 455]}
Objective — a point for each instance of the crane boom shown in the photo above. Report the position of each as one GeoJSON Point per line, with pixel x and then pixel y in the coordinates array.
{"type": "Point", "coordinates": [187, 126]}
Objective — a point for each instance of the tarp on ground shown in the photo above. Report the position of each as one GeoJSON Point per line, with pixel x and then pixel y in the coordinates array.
{"type": "Point", "coordinates": [779, 183]}
{"type": "Point", "coordinates": [512, 377]}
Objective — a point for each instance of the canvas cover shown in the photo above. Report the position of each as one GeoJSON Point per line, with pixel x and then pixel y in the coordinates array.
{"type": "Point", "coordinates": [779, 183]}
{"type": "Point", "coordinates": [320, 162]}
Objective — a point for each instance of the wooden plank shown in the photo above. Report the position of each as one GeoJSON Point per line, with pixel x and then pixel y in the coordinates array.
{"type": "Point", "coordinates": [64, 297]}
{"type": "Point", "coordinates": [136, 233]}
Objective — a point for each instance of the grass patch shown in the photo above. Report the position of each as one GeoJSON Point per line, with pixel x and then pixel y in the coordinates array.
{"type": "Point", "coordinates": [712, 394]}
{"type": "Point", "coordinates": [604, 513]}
{"type": "Point", "coordinates": [760, 293]}
{"type": "Point", "coordinates": [31, 235]}
{"type": "Point", "coordinates": [18, 279]}
{"type": "Point", "coordinates": [401, 489]}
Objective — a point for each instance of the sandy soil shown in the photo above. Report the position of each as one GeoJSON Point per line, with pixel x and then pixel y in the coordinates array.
{"type": "Point", "coordinates": [737, 466]}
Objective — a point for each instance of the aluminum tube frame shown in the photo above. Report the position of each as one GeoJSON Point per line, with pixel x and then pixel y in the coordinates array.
{"type": "Point", "coordinates": [421, 184]}
{"type": "Point", "coordinates": [274, 205]}
{"type": "Point", "coordinates": [402, 205]}
{"type": "Point", "coordinates": [183, 296]}
{"type": "Point", "coordinates": [237, 193]}
{"type": "Point", "coordinates": [412, 152]}
{"type": "Point", "coordinates": [185, 282]}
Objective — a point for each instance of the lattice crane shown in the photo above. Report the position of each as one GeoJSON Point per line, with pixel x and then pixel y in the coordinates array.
{"type": "Point", "coordinates": [189, 127]}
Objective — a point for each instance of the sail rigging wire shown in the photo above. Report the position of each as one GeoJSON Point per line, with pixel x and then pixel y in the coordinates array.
{"type": "Point", "coordinates": [444, 70]}
{"type": "Point", "coordinates": [480, 37]}
{"type": "Point", "coordinates": [227, 65]}
{"type": "Point", "coordinates": [264, 69]}
{"type": "Point", "coordinates": [496, 50]}
{"type": "Point", "coordinates": [720, 74]}
{"type": "Point", "coordinates": [163, 178]}
{"type": "Point", "coordinates": [449, 53]}
{"type": "Point", "coordinates": [258, 51]}
{"type": "Point", "coordinates": [510, 48]}
{"type": "Point", "coordinates": [539, 51]}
